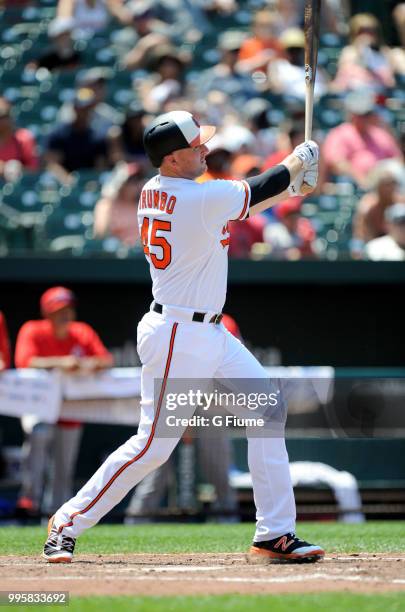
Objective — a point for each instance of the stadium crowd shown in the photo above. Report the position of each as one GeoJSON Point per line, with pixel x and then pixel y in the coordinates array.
{"type": "Point", "coordinates": [81, 80]}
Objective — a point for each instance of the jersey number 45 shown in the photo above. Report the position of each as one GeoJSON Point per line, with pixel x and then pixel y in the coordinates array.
{"type": "Point", "coordinates": [150, 239]}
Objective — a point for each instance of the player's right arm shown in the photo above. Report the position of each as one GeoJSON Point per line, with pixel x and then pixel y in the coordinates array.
{"type": "Point", "coordinates": [286, 179]}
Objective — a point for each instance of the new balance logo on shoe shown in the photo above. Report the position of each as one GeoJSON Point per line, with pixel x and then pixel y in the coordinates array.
{"type": "Point", "coordinates": [284, 542]}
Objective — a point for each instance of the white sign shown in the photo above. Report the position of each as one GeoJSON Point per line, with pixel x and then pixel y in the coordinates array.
{"type": "Point", "coordinates": [108, 411]}
{"type": "Point", "coordinates": [30, 392]}
{"type": "Point", "coordinates": [108, 384]}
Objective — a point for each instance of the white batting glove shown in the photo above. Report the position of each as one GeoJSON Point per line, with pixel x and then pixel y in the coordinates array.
{"type": "Point", "coordinates": [308, 153]}
{"type": "Point", "coordinates": [305, 181]}
{"type": "Point", "coordinates": [311, 175]}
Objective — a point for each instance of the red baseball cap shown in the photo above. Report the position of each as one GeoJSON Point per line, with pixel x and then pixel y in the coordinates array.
{"type": "Point", "coordinates": [288, 207]}
{"type": "Point", "coordinates": [55, 299]}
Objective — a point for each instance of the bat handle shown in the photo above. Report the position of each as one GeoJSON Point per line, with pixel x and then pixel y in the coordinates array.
{"type": "Point", "coordinates": [309, 104]}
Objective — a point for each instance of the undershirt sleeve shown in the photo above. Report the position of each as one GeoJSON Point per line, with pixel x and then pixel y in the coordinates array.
{"type": "Point", "coordinates": [268, 184]}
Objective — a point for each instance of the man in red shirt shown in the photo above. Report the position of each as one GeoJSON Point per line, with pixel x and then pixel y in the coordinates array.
{"type": "Point", "coordinates": [15, 144]}
{"type": "Point", "coordinates": [4, 345]}
{"type": "Point", "coordinates": [56, 341]}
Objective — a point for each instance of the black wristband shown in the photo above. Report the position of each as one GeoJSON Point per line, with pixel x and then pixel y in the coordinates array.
{"type": "Point", "coordinates": [268, 184]}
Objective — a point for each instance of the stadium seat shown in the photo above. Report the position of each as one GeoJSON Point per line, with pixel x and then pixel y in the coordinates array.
{"type": "Point", "coordinates": [62, 223]}
{"type": "Point", "coordinates": [68, 245]}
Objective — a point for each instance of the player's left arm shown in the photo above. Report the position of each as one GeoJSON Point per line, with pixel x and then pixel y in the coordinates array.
{"type": "Point", "coordinates": [296, 175]}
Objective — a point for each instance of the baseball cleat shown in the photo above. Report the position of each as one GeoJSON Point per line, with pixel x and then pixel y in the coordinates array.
{"type": "Point", "coordinates": [285, 549]}
{"type": "Point", "coordinates": [58, 548]}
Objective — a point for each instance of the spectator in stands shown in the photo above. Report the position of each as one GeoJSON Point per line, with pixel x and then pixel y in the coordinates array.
{"type": "Point", "coordinates": [181, 20]}
{"type": "Point", "coordinates": [390, 247]}
{"type": "Point", "coordinates": [91, 16]}
{"type": "Point", "coordinates": [115, 213]}
{"type": "Point", "coordinates": [156, 22]}
{"type": "Point", "coordinates": [354, 147]}
{"type": "Point", "coordinates": [147, 34]}
{"type": "Point", "coordinates": [398, 15]}
{"type": "Point", "coordinates": [385, 182]}
{"type": "Point", "coordinates": [243, 236]}
{"type": "Point", "coordinates": [61, 55]}
{"type": "Point", "coordinates": [222, 7]}
{"type": "Point", "coordinates": [127, 140]}
{"type": "Point", "coordinates": [245, 166]}
{"type": "Point", "coordinates": [58, 342]}
{"type": "Point", "coordinates": [367, 61]}
{"type": "Point", "coordinates": [77, 145]}
{"type": "Point", "coordinates": [166, 81]}
{"type": "Point", "coordinates": [218, 160]}
{"type": "Point", "coordinates": [334, 14]}
{"type": "Point", "coordinates": [287, 141]}
{"type": "Point", "coordinates": [238, 138]}
{"type": "Point", "coordinates": [225, 75]}
{"type": "Point", "coordinates": [16, 145]}
{"type": "Point", "coordinates": [104, 116]}
{"type": "Point", "coordinates": [5, 358]}
{"type": "Point", "coordinates": [257, 50]}
{"type": "Point", "coordinates": [257, 114]}
{"type": "Point", "coordinates": [292, 236]}
{"type": "Point", "coordinates": [286, 75]}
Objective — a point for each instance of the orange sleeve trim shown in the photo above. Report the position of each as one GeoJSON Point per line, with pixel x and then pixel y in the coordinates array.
{"type": "Point", "coordinates": [148, 443]}
{"type": "Point", "coordinates": [246, 202]}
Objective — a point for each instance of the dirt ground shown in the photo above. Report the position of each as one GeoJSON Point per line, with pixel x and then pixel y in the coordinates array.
{"type": "Point", "coordinates": [189, 574]}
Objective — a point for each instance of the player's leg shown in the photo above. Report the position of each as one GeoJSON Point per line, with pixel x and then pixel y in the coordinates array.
{"type": "Point", "coordinates": [168, 350]}
{"type": "Point", "coordinates": [267, 455]}
{"type": "Point", "coordinates": [134, 459]}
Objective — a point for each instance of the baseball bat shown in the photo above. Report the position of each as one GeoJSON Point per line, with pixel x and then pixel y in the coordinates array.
{"type": "Point", "coordinates": [311, 31]}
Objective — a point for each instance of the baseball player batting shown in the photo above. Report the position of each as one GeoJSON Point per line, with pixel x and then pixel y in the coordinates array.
{"type": "Point", "coordinates": [185, 236]}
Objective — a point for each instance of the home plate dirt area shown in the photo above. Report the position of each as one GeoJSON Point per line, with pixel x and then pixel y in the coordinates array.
{"type": "Point", "coordinates": [189, 574]}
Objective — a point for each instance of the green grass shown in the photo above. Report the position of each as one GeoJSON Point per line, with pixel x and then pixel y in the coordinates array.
{"type": "Point", "coordinates": [332, 602]}
{"type": "Point", "coordinates": [372, 536]}
{"type": "Point", "coordinates": [174, 538]}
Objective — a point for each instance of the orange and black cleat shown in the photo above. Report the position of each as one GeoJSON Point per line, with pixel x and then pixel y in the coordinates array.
{"type": "Point", "coordinates": [284, 549]}
{"type": "Point", "coordinates": [58, 547]}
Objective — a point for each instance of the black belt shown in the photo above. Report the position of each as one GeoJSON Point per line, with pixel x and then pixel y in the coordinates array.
{"type": "Point", "coordinates": [198, 317]}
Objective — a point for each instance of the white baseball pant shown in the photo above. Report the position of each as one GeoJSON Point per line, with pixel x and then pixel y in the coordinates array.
{"type": "Point", "coordinates": [172, 346]}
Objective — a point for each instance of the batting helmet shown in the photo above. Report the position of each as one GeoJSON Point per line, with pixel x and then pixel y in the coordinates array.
{"type": "Point", "coordinates": [173, 131]}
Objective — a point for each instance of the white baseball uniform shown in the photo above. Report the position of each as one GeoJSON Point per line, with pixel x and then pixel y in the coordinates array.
{"type": "Point", "coordinates": [184, 230]}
